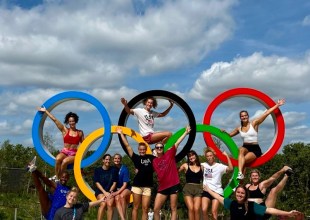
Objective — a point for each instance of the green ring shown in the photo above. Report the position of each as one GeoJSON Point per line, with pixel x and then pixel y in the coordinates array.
{"type": "Point", "coordinates": [223, 136]}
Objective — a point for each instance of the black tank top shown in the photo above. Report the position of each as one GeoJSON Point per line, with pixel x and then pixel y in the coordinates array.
{"type": "Point", "coordinates": [255, 193]}
{"type": "Point", "coordinates": [192, 177]}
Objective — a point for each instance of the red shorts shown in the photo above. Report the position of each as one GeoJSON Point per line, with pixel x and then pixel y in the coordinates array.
{"type": "Point", "coordinates": [148, 138]}
{"type": "Point", "coordinates": [69, 151]}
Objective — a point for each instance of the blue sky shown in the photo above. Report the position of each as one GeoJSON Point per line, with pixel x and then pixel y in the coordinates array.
{"type": "Point", "coordinates": [113, 49]}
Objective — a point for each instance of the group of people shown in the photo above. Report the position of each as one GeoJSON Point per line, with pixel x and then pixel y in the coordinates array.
{"type": "Point", "coordinates": [203, 187]}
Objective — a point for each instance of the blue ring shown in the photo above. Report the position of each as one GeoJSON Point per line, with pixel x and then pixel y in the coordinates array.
{"type": "Point", "coordinates": [39, 119]}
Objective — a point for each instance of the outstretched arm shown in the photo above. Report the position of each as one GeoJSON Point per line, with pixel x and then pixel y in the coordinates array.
{"type": "Point", "coordinates": [260, 119]}
{"type": "Point", "coordinates": [230, 166]}
{"type": "Point", "coordinates": [187, 130]}
{"type": "Point", "coordinates": [164, 113]}
{"type": "Point", "coordinates": [214, 194]}
{"type": "Point", "coordinates": [127, 109]}
{"type": "Point", "coordinates": [128, 147]}
{"type": "Point", "coordinates": [274, 211]}
{"type": "Point", "coordinates": [95, 203]}
{"type": "Point", "coordinates": [59, 125]}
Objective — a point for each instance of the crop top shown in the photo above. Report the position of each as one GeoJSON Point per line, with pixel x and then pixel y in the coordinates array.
{"type": "Point", "coordinates": [250, 136]}
{"type": "Point", "coordinates": [255, 194]}
{"type": "Point", "coordinates": [193, 177]}
{"type": "Point", "coordinates": [72, 139]}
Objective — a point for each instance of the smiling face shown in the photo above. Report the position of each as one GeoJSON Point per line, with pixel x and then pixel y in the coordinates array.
{"type": "Point", "coordinates": [149, 104]}
{"type": "Point", "coordinates": [71, 198]}
{"type": "Point", "coordinates": [106, 161]}
{"type": "Point", "coordinates": [254, 177]}
{"type": "Point", "coordinates": [240, 195]}
{"type": "Point", "coordinates": [159, 148]}
{"type": "Point", "coordinates": [117, 160]}
{"type": "Point", "coordinates": [64, 178]}
{"type": "Point", "coordinates": [244, 117]}
{"type": "Point", "coordinates": [142, 150]}
{"type": "Point", "coordinates": [71, 122]}
{"type": "Point", "coordinates": [210, 157]}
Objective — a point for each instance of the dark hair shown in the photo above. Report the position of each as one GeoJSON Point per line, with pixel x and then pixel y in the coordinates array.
{"type": "Point", "coordinates": [152, 98]}
{"type": "Point", "coordinates": [106, 155]}
{"type": "Point", "coordinates": [190, 153]}
{"type": "Point", "coordinates": [73, 115]}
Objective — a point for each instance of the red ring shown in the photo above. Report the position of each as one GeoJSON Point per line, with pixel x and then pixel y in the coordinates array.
{"type": "Point", "coordinates": [263, 99]}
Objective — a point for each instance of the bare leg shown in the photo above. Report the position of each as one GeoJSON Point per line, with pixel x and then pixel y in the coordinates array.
{"type": "Point", "coordinates": [161, 136]}
{"type": "Point", "coordinates": [189, 201]}
{"type": "Point", "coordinates": [59, 158]}
{"type": "Point", "coordinates": [159, 201]}
{"type": "Point", "coordinates": [101, 207]}
{"type": "Point", "coordinates": [65, 162]}
{"type": "Point", "coordinates": [121, 203]}
{"type": "Point", "coordinates": [272, 196]}
{"type": "Point", "coordinates": [215, 207]}
{"type": "Point", "coordinates": [197, 205]}
{"type": "Point", "coordinates": [146, 201]}
{"type": "Point", "coordinates": [110, 208]}
{"type": "Point", "coordinates": [205, 204]}
{"type": "Point", "coordinates": [45, 202]}
{"type": "Point", "coordinates": [241, 158]}
{"type": "Point", "coordinates": [174, 206]}
{"type": "Point", "coordinates": [136, 203]}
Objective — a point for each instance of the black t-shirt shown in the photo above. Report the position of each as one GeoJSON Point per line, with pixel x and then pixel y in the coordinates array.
{"type": "Point", "coordinates": [76, 212]}
{"type": "Point", "coordinates": [144, 177]}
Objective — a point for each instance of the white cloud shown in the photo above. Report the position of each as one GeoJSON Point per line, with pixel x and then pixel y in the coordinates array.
{"type": "Point", "coordinates": [98, 42]}
{"type": "Point", "coordinates": [273, 75]}
{"type": "Point", "coordinates": [306, 21]}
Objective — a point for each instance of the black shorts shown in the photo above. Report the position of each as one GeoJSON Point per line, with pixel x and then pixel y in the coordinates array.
{"type": "Point", "coordinates": [206, 194]}
{"type": "Point", "coordinates": [254, 148]}
{"type": "Point", "coordinates": [171, 190]}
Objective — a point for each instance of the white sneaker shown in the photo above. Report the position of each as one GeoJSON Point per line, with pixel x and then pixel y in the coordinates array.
{"type": "Point", "coordinates": [54, 178]}
{"type": "Point", "coordinates": [240, 176]}
{"type": "Point", "coordinates": [32, 165]}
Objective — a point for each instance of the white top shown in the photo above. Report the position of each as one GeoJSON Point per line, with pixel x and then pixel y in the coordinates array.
{"type": "Point", "coordinates": [212, 176]}
{"type": "Point", "coordinates": [145, 120]}
{"type": "Point", "coordinates": [250, 136]}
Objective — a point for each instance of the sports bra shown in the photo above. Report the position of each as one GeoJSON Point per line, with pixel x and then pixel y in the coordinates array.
{"type": "Point", "coordinates": [192, 177]}
{"type": "Point", "coordinates": [255, 194]}
{"type": "Point", "coordinates": [72, 139]}
{"type": "Point", "coordinates": [250, 136]}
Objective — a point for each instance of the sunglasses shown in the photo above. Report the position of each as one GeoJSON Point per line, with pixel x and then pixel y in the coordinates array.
{"type": "Point", "coordinates": [159, 147]}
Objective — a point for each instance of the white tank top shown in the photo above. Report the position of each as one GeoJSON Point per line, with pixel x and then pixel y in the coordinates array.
{"type": "Point", "coordinates": [250, 136]}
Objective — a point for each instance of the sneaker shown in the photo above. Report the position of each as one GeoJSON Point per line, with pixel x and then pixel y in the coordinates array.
{"type": "Point", "coordinates": [289, 172]}
{"type": "Point", "coordinates": [53, 178]}
{"type": "Point", "coordinates": [240, 176]}
{"type": "Point", "coordinates": [32, 165]}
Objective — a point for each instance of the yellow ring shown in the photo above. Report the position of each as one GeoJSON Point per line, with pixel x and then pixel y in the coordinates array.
{"type": "Point", "coordinates": [89, 140]}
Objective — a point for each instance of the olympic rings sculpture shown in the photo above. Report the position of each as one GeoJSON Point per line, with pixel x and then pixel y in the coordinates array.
{"type": "Point", "coordinates": [108, 129]}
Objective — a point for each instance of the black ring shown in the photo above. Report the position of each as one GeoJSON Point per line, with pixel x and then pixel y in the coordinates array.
{"type": "Point", "coordinates": [177, 100]}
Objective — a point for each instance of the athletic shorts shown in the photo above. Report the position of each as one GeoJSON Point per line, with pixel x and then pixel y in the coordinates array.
{"type": "Point", "coordinates": [206, 194]}
{"type": "Point", "coordinates": [144, 191]}
{"type": "Point", "coordinates": [254, 148]}
{"type": "Point", "coordinates": [171, 190]}
{"type": "Point", "coordinates": [69, 151]}
{"type": "Point", "coordinates": [148, 138]}
{"type": "Point", "coordinates": [192, 189]}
